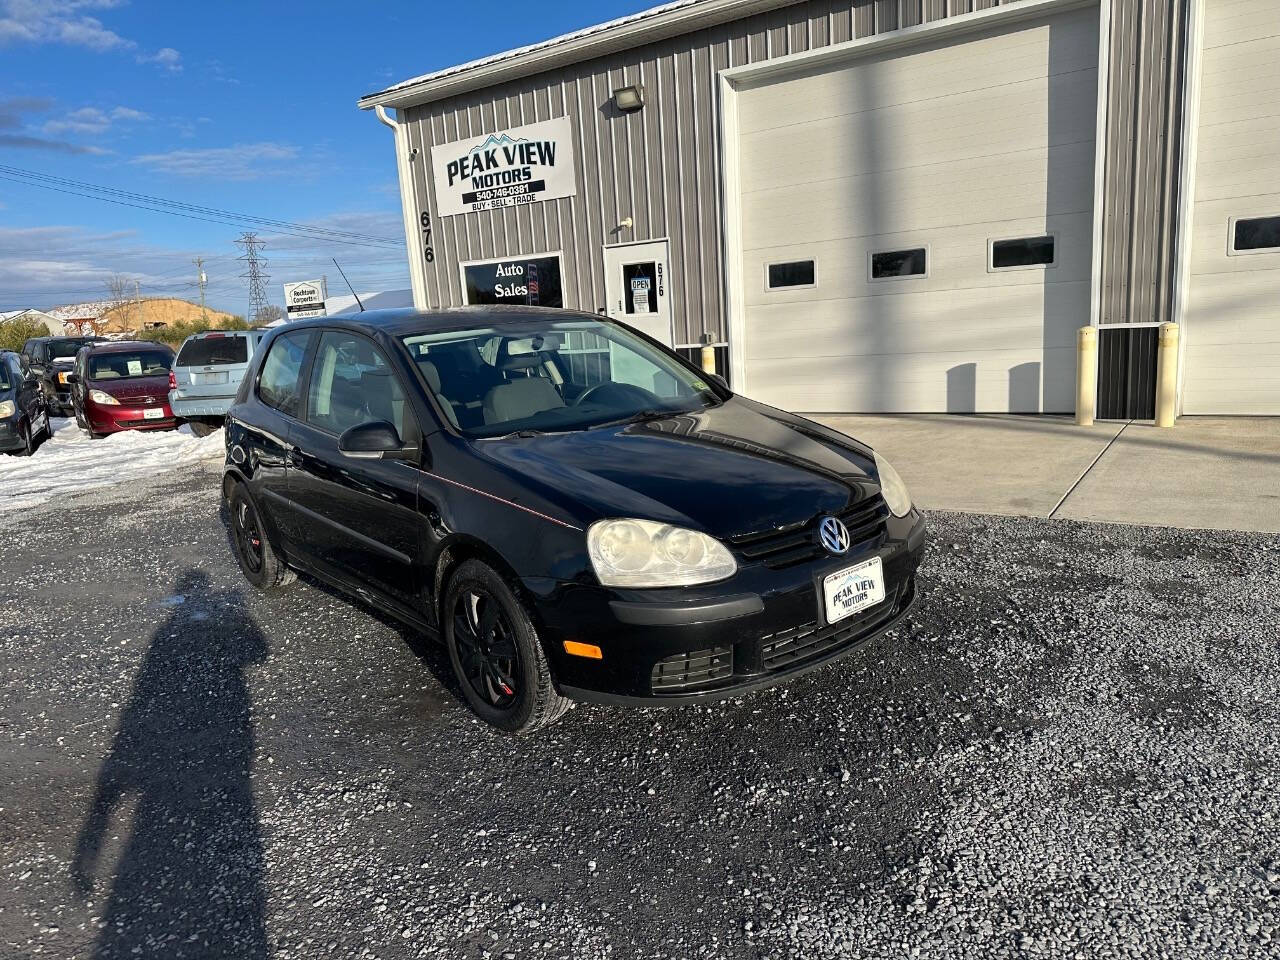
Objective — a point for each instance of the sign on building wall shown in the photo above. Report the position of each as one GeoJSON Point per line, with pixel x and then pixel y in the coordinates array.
{"type": "Point", "coordinates": [305, 299]}
{"type": "Point", "coordinates": [508, 168]}
{"type": "Point", "coordinates": [522, 281]}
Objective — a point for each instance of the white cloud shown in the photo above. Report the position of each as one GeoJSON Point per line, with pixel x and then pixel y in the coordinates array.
{"type": "Point", "coordinates": [44, 266]}
{"type": "Point", "coordinates": [166, 57]}
{"type": "Point", "coordinates": [128, 113]}
{"type": "Point", "coordinates": [59, 21]}
{"type": "Point", "coordinates": [243, 161]}
{"type": "Point", "coordinates": [90, 121]}
{"type": "Point", "coordinates": [86, 120]}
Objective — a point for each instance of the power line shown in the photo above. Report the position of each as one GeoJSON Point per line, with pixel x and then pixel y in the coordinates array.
{"type": "Point", "coordinates": [196, 208]}
{"type": "Point", "coordinates": [235, 221]}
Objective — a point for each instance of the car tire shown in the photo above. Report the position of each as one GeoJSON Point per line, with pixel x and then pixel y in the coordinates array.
{"type": "Point", "coordinates": [202, 428]}
{"type": "Point", "coordinates": [28, 441]}
{"type": "Point", "coordinates": [258, 561]}
{"type": "Point", "coordinates": [496, 654]}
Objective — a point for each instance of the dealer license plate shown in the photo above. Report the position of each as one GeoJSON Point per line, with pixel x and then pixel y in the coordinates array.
{"type": "Point", "coordinates": [204, 379]}
{"type": "Point", "coordinates": [156, 414]}
{"type": "Point", "coordinates": [852, 589]}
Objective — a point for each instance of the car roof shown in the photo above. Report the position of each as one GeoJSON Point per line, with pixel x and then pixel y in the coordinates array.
{"type": "Point", "coordinates": [399, 321]}
{"type": "Point", "coordinates": [225, 333]}
{"type": "Point", "coordinates": [120, 346]}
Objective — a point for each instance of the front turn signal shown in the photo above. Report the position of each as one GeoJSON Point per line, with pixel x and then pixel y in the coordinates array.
{"type": "Point", "coordinates": [588, 650]}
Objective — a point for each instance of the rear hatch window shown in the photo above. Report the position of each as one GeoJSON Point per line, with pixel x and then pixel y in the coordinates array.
{"type": "Point", "coordinates": [214, 351]}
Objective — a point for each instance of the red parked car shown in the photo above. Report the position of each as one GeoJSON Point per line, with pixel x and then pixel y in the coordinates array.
{"type": "Point", "coordinates": [122, 386]}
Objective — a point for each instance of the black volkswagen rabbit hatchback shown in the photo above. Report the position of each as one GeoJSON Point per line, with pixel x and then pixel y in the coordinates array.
{"type": "Point", "coordinates": [576, 511]}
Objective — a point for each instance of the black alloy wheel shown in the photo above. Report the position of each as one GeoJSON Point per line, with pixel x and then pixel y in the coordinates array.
{"type": "Point", "coordinates": [254, 554]}
{"type": "Point", "coordinates": [495, 651]}
{"type": "Point", "coordinates": [487, 649]}
{"type": "Point", "coordinates": [248, 536]}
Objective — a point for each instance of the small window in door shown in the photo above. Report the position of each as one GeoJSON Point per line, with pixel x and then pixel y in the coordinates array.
{"type": "Point", "coordinates": [1021, 252]}
{"type": "Point", "coordinates": [900, 264]}
{"type": "Point", "coordinates": [351, 384]}
{"type": "Point", "coordinates": [1255, 234]}
{"type": "Point", "coordinates": [640, 287]}
{"type": "Point", "coordinates": [792, 273]}
{"type": "Point", "coordinates": [279, 383]}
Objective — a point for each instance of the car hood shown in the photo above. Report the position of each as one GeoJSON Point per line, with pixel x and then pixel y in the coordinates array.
{"type": "Point", "coordinates": [735, 469]}
{"type": "Point", "coordinates": [134, 389]}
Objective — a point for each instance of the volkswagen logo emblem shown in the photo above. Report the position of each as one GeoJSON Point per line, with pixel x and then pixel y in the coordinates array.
{"type": "Point", "coordinates": [834, 535]}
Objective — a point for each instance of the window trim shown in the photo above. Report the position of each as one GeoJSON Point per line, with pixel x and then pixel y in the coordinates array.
{"type": "Point", "coordinates": [558, 255]}
{"type": "Point", "coordinates": [991, 252]}
{"type": "Point", "coordinates": [304, 374]}
{"type": "Point", "coordinates": [905, 248]}
{"type": "Point", "coordinates": [309, 361]}
{"type": "Point", "coordinates": [790, 286]}
{"type": "Point", "coordinates": [1231, 236]}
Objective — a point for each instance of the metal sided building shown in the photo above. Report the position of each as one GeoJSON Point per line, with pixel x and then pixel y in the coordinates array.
{"type": "Point", "coordinates": [877, 205]}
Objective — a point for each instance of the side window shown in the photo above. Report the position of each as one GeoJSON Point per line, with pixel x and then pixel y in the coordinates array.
{"type": "Point", "coordinates": [351, 384]}
{"type": "Point", "coordinates": [279, 383]}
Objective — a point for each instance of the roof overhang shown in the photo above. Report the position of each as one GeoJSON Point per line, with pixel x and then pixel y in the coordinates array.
{"type": "Point", "coordinates": [648, 26]}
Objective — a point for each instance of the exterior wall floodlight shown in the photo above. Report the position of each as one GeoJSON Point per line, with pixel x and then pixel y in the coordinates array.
{"type": "Point", "coordinates": [629, 99]}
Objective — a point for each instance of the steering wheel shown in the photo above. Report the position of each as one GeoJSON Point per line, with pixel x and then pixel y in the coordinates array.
{"type": "Point", "coordinates": [617, 395]}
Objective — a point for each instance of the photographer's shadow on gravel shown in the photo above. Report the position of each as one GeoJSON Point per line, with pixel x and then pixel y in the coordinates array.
{"type": "Point", "coordinates": [189, 878]}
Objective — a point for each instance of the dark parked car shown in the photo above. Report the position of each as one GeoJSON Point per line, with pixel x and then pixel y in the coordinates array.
{"type": "Point", "coordinates": [577, 511]}
{"type": "Point", "coordinates": [24, 414]}
{"type": "Point", "coordinates": [51, 358]}
{"type": "Point", "coordinates": [122, 386]}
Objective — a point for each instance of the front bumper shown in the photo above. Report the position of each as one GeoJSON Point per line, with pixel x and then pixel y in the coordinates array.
{"type": "Point", "coordinates": [10, 438]}
{"type": "Point", "coordinates": [199, 406]}
{"type": "Point", "coordinates": [107, 419]}
{"type": "Point", "coordinates": [760, 627]}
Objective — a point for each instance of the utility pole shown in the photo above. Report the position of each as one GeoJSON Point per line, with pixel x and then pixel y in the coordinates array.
{"type": "Point", "coordinates": [255, 273]}
{"type": "Point", "coordinates": [202, 281]}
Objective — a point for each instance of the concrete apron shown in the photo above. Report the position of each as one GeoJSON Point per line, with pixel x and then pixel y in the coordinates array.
{"type": "Point", "coordinates": [1216, 473]}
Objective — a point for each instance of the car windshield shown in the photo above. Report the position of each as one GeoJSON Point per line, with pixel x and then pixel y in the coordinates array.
{"type": "Point", "coordinates": [65, 349]}
{"type": "Point", "coordinates": [129, 364]}
{"type": "Point", "coordinates": [6, 381]}
{"type": "Point", "coordinates": [552, 376]}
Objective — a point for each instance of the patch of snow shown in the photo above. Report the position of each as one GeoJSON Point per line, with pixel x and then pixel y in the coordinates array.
{"type": "Point", "coordinates": [71, 463]}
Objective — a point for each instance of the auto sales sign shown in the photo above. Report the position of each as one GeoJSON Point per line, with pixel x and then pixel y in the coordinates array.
{"type": "Point", "coordinates": [508, 168]}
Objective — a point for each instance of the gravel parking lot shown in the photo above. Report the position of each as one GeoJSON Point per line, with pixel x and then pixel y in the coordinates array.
{"type": "Point", "coordinates": [1071, 750]}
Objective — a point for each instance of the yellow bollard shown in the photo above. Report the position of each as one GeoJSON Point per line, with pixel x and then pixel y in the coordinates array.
{"type": "Point", "coordinates": [708, 358]}
{"type": "Point", "coordinates": [1086, 375]}
{"type": "Point", "coordinates": [1167, 376]}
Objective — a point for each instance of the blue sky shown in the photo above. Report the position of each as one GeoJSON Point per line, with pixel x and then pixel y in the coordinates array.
{"type": "Point", "coordinates": [247, 107]}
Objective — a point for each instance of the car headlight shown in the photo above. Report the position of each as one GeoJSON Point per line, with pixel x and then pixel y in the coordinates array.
{"type": "Point", "coordinates": [893, 489]}
{"type": "Point", "coordinates": [7, 409]}
{"type": "Point", "coordinates": [641, 553]}
{"type": "Point", "coordinates": [97, 396]}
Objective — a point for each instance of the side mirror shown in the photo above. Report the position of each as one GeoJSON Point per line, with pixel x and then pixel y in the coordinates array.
{"type": "Point", "coordinates": [376, 440]}
{"type": "Point", "coordinates": [73, 378]}
{"type": "Point", "coordinates": [718, 379]}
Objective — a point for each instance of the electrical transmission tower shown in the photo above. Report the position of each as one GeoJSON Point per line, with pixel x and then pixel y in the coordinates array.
{"type": "Point", "coordinates": [255, 273]}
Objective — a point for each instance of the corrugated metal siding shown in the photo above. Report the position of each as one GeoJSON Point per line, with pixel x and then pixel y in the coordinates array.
{"type": "Point", "coordinates": [1140, 198]}
{"type": "Point", "coordinates": [659, 166]}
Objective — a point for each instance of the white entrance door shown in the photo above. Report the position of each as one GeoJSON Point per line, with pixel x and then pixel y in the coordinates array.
{"type": "Point", "coordinates": [637, 287]}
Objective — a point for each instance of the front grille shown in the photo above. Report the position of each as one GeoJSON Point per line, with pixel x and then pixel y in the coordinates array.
{"type": "Point", "coordinates": [693, 670]}
{"type": "Point", "coordinates": [777, 549]}
{"type": "Point", "coordinates": [163, 422]}
{"type": "Point", "coordinates": [780, 651]}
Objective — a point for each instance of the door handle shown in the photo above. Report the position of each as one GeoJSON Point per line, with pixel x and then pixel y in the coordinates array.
{"type": "Point", "coordinates": [295, 457]}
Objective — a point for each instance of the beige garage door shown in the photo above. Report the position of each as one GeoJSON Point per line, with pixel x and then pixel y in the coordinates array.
{"type": "Point", "coordinates": [896, 215]}
{"type": "Point", "coordinates": [1233, 304]}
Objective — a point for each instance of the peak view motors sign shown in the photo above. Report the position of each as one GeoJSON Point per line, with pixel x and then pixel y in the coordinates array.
{"type": "Point", "coordinates": [505, 169]}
